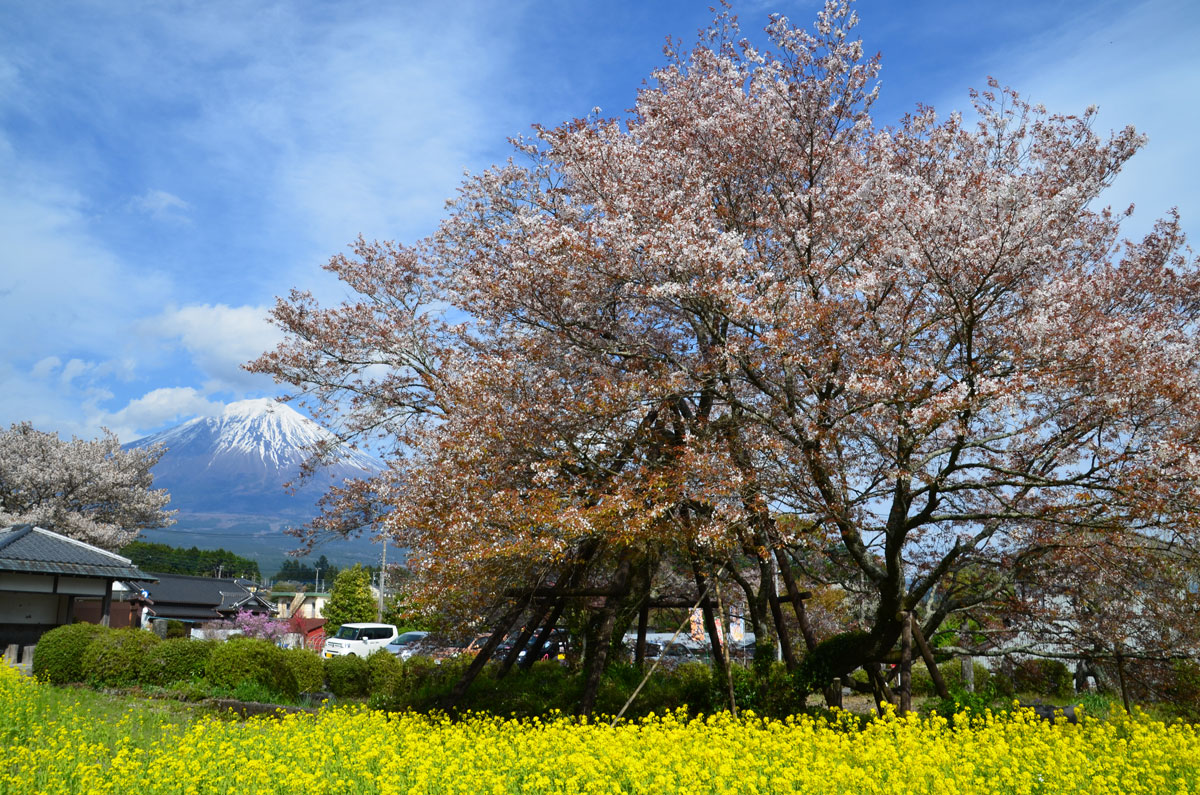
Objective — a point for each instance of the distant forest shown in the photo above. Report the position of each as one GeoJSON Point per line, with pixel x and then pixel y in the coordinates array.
{"type": "Point", "coordinates": [201, 562]}
{"type": "Point", "coordinates": [301, 573]}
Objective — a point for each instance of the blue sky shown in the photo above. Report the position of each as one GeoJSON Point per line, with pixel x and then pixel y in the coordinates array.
{"type": "Point", "coordinates": [166, 169]}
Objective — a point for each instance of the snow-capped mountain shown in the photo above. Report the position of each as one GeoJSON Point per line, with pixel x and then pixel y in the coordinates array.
{"type": "Point", "coordinates": [238, 462]}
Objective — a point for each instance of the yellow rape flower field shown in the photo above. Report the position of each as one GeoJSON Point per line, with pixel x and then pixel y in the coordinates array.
{"type": "Point", "coordinates": [51, 742]}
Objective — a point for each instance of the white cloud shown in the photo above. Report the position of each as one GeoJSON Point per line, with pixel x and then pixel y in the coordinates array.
{"type": "Point", "coordinates": [220, 339]}
{"type": "Point", "coordinates": [46, 367]}
{"type": "Point", "coordinates": [1133, 61]}
{"type": "Point", "coordinates": [156, 408]}
{"type": "Point", "coordinates": [161, 206]}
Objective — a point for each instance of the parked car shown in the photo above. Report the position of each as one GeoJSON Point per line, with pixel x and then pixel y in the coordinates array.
{"type": "Point", "coordinates": [555, 647]}
{"type": "Point", "coordinates": [407, 644]}
{"type": "Point", "coordinates": [359, 640]}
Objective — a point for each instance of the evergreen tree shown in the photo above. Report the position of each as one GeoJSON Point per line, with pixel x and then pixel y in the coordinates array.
{"type": "Point", "coordinates": [351, 600]}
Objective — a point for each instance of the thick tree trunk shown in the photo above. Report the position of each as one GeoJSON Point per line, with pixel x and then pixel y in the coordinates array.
{"type": "Point", "coordinates": [767, 573]}
{"type": "Point", "coordinates": [602, 637]}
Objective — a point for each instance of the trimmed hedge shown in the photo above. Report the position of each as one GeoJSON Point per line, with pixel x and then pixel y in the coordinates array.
{"type": "Point", "coordinates": [308, 669]}
{"type": "Point", "coordinates": [177, 660]}
{"type": "Point", "coordinates": [384, 672]}
{"type": "Point", "coordinates": [348, 676]}
{"type": "Point", "coordinates": [118, 658]}
{"type": "Point", "coordinates": [58, 657]}
{"type": "Point", "coordinates": [240, 661]}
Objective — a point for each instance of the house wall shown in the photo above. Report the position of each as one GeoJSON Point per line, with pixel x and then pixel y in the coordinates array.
{"type": "Point", "coordinates": [33, 604]}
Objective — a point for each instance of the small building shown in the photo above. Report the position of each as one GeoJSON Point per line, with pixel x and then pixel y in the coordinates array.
{"type": "Point", "coordinates": [44, 575]}
{"type": "Point", "coordinates": [303, 604]}
{"type": "Point", "coordinates": [197, 600]}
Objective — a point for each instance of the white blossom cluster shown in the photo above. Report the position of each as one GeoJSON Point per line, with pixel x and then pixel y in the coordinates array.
{"type": "Point", "coordinates": [90, 490]}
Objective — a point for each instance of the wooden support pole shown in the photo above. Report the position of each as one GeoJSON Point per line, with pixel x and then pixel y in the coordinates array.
{"type": "Point", "coordinates": [502, 627]}
{"type": "Point", "coordinates": [710, 626]}
{"type": "Point", "coordinates": [1121, 678]}
{"type": "Point", "coordinates": [639, 650]}
{"type": "Point", "coordinates": [607, 619]}
{"type": "Point", "coordinates": [834, 699]}
{"type": "Point", "coordinates": [939, 683]}
{"type": "Point", "coordinates": [106, 604]}
{"type": "Point", "coordinates": [877, 686]}
{"type": "Point", "coordinates": [785, 641]}
{"type": "Point", "coordinates": [905, 663]}
{"type": "Point", "coordinates": [797, 598]}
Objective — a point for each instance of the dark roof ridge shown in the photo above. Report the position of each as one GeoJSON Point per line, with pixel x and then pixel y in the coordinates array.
{"type": "Point", "coordinates": [14, 533]}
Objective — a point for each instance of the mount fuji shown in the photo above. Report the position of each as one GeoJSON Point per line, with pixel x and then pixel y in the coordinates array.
{"type": "Point", "coordinates": [227, 473]}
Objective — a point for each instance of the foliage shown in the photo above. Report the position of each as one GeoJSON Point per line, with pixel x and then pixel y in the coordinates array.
{"type": "Point", "coordinates": [176, 629]}
{"type": "Point", "coordinates": [91, 490]}
{"type": "Point", "coordinates": [308, 668]}
{"type": "Point", "coordinates": [293, 570]}
{"type": "Point", "coordinates": [952, 674]}
{"type": "Point", "coordinates": [1043, 677]}
{"type": "Point", "coordinates": [834, 657]}
{"type": "Point", "coordinates": [260, 625]}
{"type": "Point", "coordinates": [924, 339]}
{"type": "Point", "coordinates": [348, 676]}
{"type": "Point", "coordinates": [118, 658]}
{"type": "Point", "coordinates": [384, 671]}
{"type": "Point", "coordinates": [243, 659]}
{"type": "Point", "coordinates": [176, 660]}
{"type": "Point", "coordinates": [58, 656]}
{"type": "Point", "coordinates": [197, 562]}
{"type": "Point", "coordinates": [65, 741]}
{"type": "Point", "coordinates": [350, 600]}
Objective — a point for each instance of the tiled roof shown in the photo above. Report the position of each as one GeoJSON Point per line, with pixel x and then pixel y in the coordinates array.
{"type": "Point", "coordinates": [28, 549]}
{"type": "Point", "coordinates": [185, 596]}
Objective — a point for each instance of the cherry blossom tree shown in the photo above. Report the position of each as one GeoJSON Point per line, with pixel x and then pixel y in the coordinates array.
{"type": "Point", "coordinates": [924, 343]}
{"type": "Point", "coordinates": [91, 490]}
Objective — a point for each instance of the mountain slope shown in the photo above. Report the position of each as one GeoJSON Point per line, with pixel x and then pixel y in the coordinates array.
{"type": "Point", "coordinates": [239, 461]}
{"type": "Point", "coordinates": [226, 476]}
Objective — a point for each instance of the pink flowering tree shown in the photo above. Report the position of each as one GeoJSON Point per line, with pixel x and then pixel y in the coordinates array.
{"type": "Point", "coordinates": [260, 625]}
{"type": "Point", "coordinates": [926, 343]}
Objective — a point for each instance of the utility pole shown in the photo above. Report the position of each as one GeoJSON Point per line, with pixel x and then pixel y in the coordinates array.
{"type": "Point", "coordinates": [317, 581]}
{"type": "Point", "coordinates": [382, 574]}
{"type": "Point", "coordinates": [220, 568]}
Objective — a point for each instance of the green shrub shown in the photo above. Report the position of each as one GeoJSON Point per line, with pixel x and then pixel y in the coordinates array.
{"type": "Point", "coordinates": [1181, 689]}
{"type": "Point", "coordinates": [1043, 678]}
{"type": "Point", "coordinates": [241, 659]}
{"type": "Point", "coordinates": [308, 669]}
{"type": "Point", "coordinates": [348, 676]}
{"type": "Point", "coordinates": [176, 629]}
{"type": "Point", "coordinates": [952, 674]}
{"type": "Point", "coordinates": [59, 654]}
{"type": "Point", "coordinates": [832, 657]}
{"type": "Point", "coordinates": [383, 672]}
{"type": "Point", "coordinates": [175, 660]}
{"type": "Point", "coordinates": [118, 658]}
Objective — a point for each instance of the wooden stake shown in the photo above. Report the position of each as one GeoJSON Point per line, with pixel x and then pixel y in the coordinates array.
{"type": "Point", "coordinates": [939, 683]}
{"type": "Point", "coordinates": [906, 663]}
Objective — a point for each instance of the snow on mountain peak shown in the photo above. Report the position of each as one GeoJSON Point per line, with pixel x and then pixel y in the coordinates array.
{"type": "Point", "coordinates": [260, 428]}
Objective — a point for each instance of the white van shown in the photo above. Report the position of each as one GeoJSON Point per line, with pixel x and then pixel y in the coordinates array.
{"type": "Point", "coordinates": [359, 640]}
